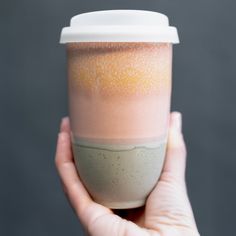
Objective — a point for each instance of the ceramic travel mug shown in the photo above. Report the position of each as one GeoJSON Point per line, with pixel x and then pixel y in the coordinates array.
{"type": "Point", "coordinates": [119, 80]}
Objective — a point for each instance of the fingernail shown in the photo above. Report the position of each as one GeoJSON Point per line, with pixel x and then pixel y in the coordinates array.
{"type": "Point", "coordinates": [177, 124]}
{"type": "Point", "coordinates": [63, 120]}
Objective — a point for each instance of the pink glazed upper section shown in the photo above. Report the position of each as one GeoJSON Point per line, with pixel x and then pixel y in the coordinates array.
{"type": "Point", "coordinates": [119, 91]}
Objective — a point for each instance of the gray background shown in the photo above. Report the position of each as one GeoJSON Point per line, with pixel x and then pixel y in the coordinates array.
{"type": "Point", "coordinates": [33, 99]}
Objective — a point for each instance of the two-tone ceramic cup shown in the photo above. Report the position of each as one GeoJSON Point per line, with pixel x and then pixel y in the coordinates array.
{"type": "Point", "coordinates": [119, 73]}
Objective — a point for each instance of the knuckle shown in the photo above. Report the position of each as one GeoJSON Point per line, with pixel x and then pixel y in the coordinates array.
{"type": "Point", "coordinates": [178, 151]}
{"type": "Point", "coordinates": [173, 180]}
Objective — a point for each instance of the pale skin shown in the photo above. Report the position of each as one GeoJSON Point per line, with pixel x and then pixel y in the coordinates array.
{"type": "Point", "coordinates": [167, 211]}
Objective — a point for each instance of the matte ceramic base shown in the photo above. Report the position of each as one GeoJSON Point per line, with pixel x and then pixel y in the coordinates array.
{"type": "Point", "coordinates": [123, 205]}
{"type": "Point", "coordinates": [119, 178]}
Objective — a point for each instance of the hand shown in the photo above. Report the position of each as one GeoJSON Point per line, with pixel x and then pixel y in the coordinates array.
{"type": "Point", "coordinates": [167, 212]}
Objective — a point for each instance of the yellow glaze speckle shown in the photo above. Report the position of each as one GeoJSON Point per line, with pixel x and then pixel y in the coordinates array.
{"type": "Point", "coordinates": [115, 69]}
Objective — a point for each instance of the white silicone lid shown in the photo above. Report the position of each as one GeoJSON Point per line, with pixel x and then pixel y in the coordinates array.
{"type": "Point", "coordinates": [119, 26]}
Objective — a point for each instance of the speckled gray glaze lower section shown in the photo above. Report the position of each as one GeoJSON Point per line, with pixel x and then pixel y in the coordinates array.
{"type": "Point", "coordinates": [119, 178]}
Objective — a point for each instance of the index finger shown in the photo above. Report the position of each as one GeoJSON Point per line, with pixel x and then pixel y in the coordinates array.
{"type": "Point", "coordinates": [75, 190]}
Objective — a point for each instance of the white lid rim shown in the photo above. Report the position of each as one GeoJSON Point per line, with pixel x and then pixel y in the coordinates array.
{"type": "Point", "coordinates": [118, 34]}
{"type": "Point", "coordinates": [117, 40]}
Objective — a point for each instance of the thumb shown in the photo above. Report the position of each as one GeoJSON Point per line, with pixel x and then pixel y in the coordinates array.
{"type": "Point", "coordinates": [175, 162]}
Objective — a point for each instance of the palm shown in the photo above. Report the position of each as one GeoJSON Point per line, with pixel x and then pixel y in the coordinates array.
{"type": "Point", "coordinates": [170, 215]}
{"type": "Point", "coordinates": [170, 209]}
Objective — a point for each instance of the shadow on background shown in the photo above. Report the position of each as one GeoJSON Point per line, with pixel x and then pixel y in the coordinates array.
{"type": "Point", "coordinates": [33, 99]}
